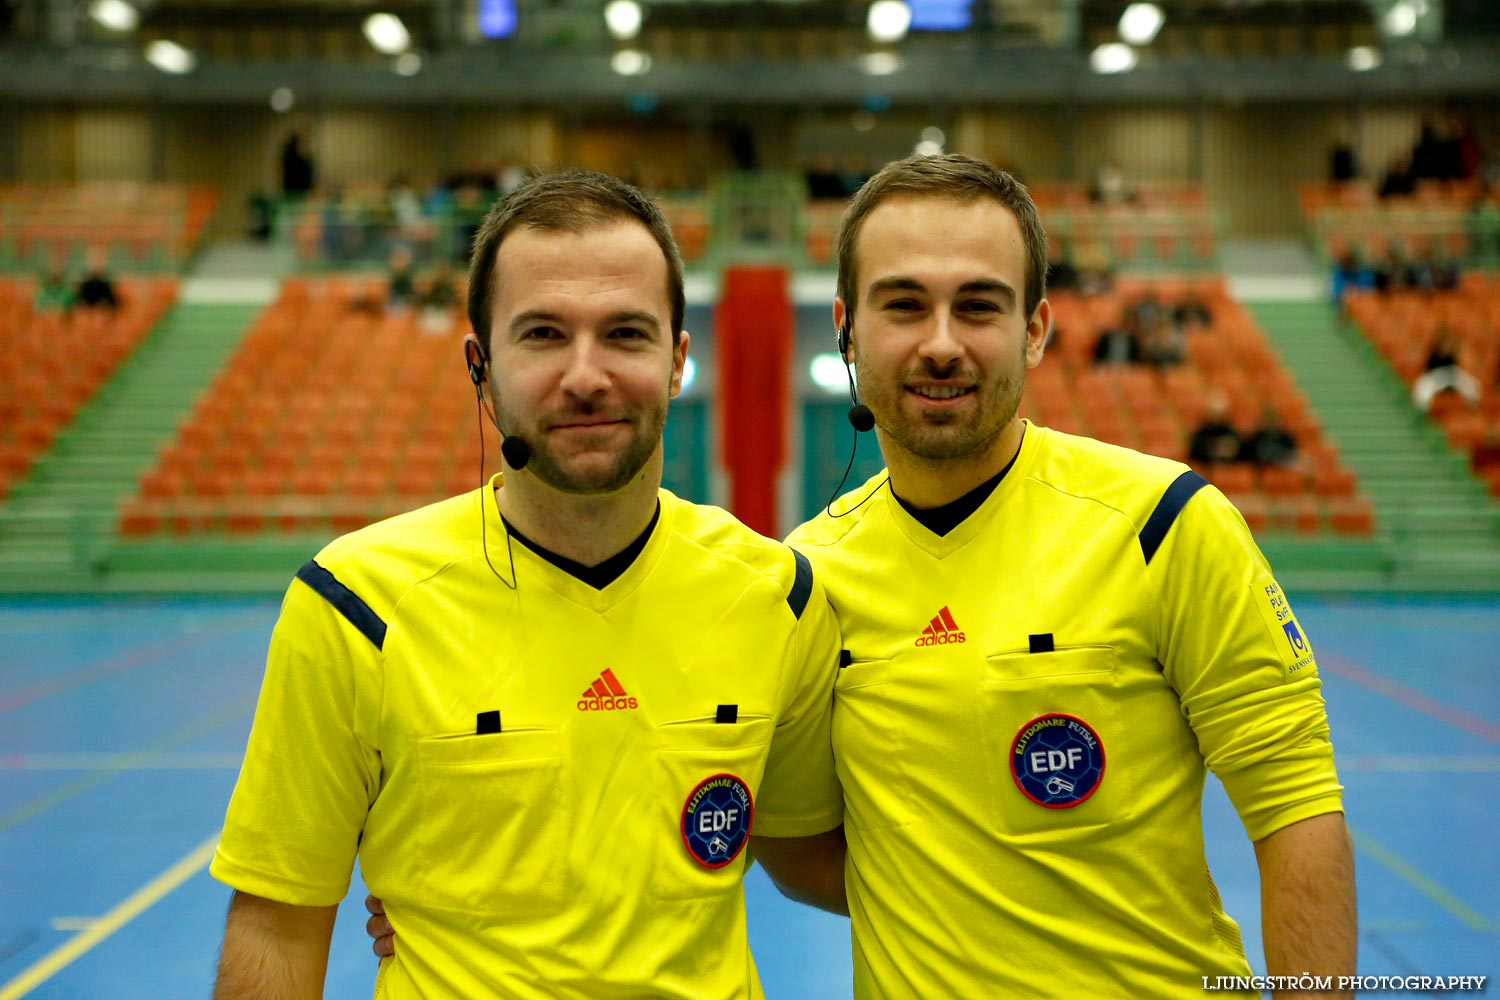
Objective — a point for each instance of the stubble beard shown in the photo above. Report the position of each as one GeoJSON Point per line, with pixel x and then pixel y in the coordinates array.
{"type": "Point", "coordinates": [941, 436]}
{"type": "Point", "coordinates": [565, 475]}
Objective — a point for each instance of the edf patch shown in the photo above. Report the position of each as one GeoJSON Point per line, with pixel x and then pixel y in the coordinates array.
{"type": "Point", "coordinates": [1057, 761]}
{"type": "Point", "coordinates": [716, 820]}
{"type": "Point", "coordinates": [1292, 647]}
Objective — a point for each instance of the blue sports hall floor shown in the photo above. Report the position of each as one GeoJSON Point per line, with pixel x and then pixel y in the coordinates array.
{"type": "Point", "coordinates": [122, 723]}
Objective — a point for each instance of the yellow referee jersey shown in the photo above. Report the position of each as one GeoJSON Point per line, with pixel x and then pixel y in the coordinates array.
{"type": "Point", "coordinates": [551, 787]}
{"type": "Point", "coordinates": [1023, 716]}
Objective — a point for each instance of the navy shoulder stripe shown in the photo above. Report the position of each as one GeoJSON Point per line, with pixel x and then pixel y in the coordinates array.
{"type": "Point", "coordinates": [796, 598]}
{"type": "Point", "coordinates": [1167, 509]}
{"type": "Point", "coordinates": [346, 601]}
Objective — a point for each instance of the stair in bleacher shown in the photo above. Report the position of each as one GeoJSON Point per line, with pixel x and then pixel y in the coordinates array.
{"type": "Point", "coordinates": [61, 516]}
{"type": "Point", "coordinates": [1443, 529]}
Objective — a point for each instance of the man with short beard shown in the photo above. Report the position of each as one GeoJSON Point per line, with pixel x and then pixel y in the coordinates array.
{"type": "Point", "coordinates": [1046, 641]}
{"type": "Point", "coordinates": [548, 716]}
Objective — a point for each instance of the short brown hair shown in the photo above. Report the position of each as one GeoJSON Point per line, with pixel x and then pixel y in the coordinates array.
{"type": "Point", "coordinates": [955, 176]}
{"type": "Point", "coordinates": [572, 201]}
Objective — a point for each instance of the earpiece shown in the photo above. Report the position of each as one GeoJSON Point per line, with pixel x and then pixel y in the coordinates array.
{"type": "Point", "coordinates": [860, 417]}
{"type": "Point", "coordinates": [517, 451]}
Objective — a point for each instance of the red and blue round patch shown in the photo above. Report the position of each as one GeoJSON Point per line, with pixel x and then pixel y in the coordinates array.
{"type": "Point", "coordinates": [716, 820]}
{"type": "Point", "coordinates": [1057, 761]}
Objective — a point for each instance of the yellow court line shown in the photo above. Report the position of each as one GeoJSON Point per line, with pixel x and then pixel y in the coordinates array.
{"type": "Point", "coordinates": [138, 902]}
{"type": "Point", "coordinates": [1424, 883]}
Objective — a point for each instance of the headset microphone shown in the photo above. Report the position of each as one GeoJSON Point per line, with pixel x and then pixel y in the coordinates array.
{"type": "Point", "coordinates": [861, 419]}
{"type": "Point", "coordinates": [516, 450]}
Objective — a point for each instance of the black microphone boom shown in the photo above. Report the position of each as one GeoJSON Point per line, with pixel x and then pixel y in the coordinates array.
{"type": "Point", "coordinates": [516, 451]}
{"type": "Point", "coordinates": [860, 417]}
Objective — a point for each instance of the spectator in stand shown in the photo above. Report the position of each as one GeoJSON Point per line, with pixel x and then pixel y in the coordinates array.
{"type": "Point", "coordinates": [401, 282]}
{"type": "Point", "coordinates": [1350, 273]}
{"type": "Point", "coordinates": [53, 293]}
{"type": "Point", "coordinates": [1110, 186]}
{"type": "Point", "coordinates": [1163, 344]}
{"type": "Point", "coordinates": [823, 180]}
{"type": "Point", "coordinates": [1193, 313]}
{"type": "Point", "coordinates": [438, 299]}
{"type": "Point", "coordinates": [1272, 443]}
{"type": "Point", "coordinates": [1117, 345]}
{"type": "Point", "coordinates": [298, 174]}
{"type": "Point", "coordinates": [1095, 274]}
{"type": "Point", "coordinates": [1428, 156]}
{"type": "Point", "coordinates": [1444, 373]}
{"type": "Point", "coordinates": [1061, 274]}
{"type": "Point", "coordinates": [1342, 164]}
{"type": "Point", "coordinates": [1399, 180]}
{"type": "Point", "coordinates": [855, 172]}
{"type": "Point", "coordinates": [1215, 440]}
{"type": "Point", "coordinates": [97, 290]}
{"type": "Point", "coordinates": [1146, 311]}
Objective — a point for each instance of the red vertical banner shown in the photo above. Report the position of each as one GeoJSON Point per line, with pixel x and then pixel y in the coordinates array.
{"type": "Point", "coordinates": [753, 334]}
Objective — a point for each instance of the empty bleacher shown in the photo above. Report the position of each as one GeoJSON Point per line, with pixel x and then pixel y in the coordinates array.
{"type": "Point", "coordinates": [51, 363]}
{"type": "Point", "coordinates": [144, 227]}
{"type": "Point", "coordinates": [330, 414]}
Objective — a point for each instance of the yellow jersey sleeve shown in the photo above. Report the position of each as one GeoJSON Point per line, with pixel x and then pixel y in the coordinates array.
{"type": "Point", "coordinates": [800, 794]}
{"type": "Point", "coordinates": [1243, 668]}
{"type": "Point", "coordinates": [311, 769]}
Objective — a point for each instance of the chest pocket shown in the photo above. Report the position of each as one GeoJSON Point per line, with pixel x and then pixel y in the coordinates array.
{"type": "Point", "coordinates": [495, 821]}
{"type": "Point", "coordinates": [687, 863]}
{"type": "Point", "coordinates": [867, 745]}
{"type": "Point", "coordinates": [1056, 737]}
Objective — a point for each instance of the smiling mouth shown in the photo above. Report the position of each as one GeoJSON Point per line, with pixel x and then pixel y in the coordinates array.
{"type": "Point", "coordinates": [940, 392]}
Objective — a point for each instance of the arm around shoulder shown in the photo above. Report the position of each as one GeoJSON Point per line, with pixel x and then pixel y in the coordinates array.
{"type": "Point", "coordinates": [807, 869]}
{"type": "Point", "coordinates": [273, 951]}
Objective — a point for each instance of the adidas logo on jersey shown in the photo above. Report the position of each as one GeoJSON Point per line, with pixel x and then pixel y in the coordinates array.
{"type": "Point", "coordinates": [606, 694]}
{"type": "Point", "coordinates": [941, 631]}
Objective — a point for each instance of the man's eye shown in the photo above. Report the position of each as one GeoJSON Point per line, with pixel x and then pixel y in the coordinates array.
{"type": "Point", "coordinates": [980, 305]}
{"type": "Point", "coordinates": [540, 333]}
{"type": "Point", "coordinates": [628, 333]}
{"type": "Point", "coordinates": [903, 305]}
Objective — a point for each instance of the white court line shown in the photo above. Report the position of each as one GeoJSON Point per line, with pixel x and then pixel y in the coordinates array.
{"type": "Point", "coordinates": [137, 903]}
{"type": "Point", "coordinates": [132, 761]}
{"type": "Point", "coordinates": [1421, 763]}
{"type": "Point", "coordinates": [73, 923]}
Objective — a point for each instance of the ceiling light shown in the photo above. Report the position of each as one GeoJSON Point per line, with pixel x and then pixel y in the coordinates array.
{"type": "Point", "coordinates": [934, 134]}
{"type": "Point", "coordinates": [282, 100]}
{"type": "Point", "coordinates": [1113, 57]}
{"type": "Point", "coordinates": [880, 63]}
{"type": "Point", "coordinates": [928, 148]}
{"type": "Point", "coordinates": [1401, 19]}
{"type": "Point", "coordinates": [888, 20]}
{"type": "Point", "coordinates": [1363, 58]}
{"type": "Point", "coordinates": [116, 15]}
{"type": "Point", "coordinates": [169, 57]}
{"type": "Point", "coordinates": [623, 18]}
{"type": "Point", "coordinates": [630, 62]}
{"type": "Point", "coordinates": [1140, 23]}
{"type": "Point", "coordinates": [827, 371]}
{"type": "Point", "coordinates": [689, 374]}
{"type": "Point", "coordinates": [408, 64]}
{"type": "Point", "coordinates": [387, 33]}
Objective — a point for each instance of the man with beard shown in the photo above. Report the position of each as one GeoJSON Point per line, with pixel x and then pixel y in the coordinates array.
{"type": "Point", "coordinates": [547, 715]}
{"type": "Point", "coordinates": [1047, 640]}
